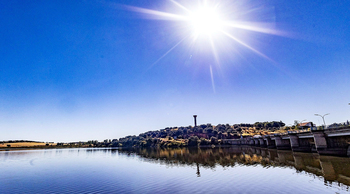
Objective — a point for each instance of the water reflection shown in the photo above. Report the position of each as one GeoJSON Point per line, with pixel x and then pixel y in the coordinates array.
{"type": "Point", "coordinates": [108, 170]}
{"type": "Point", "coordinates": [332, 169]}
{"type": "Point", "coordinates": [112, 151]}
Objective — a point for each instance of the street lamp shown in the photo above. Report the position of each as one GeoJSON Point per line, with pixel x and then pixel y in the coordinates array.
{"type": "Point", "coordinates": [322, 118]}
{"type": "Point", "coordinates": [300, 122]}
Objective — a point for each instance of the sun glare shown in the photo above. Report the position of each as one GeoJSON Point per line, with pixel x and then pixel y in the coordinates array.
{"type": "Point", "coordinates": [205, 21]}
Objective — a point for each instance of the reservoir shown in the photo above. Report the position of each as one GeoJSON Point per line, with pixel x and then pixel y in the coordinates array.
{"type": "Point", "coordinates": [196, 170]}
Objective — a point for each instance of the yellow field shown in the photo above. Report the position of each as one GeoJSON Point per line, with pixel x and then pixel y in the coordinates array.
{"type": "Point", "coordinates": [24, 144]}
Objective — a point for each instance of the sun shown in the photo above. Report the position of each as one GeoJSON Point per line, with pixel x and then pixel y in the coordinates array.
{"type": "Point", "coordinates": [205, 21]}
{"type": "Point", "coordinates": [204, 30]}
{"type": "Point", "coordinates": [219, 26]}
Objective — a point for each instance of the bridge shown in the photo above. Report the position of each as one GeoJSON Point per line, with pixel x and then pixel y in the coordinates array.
{"type": "Point", "coordinates": [325, 141]}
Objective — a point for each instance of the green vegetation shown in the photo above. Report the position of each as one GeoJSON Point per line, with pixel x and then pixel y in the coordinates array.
{"type": "Point", "coordinates": [205, 135]}
{"type": "Point", "coordinates": [202, 135]}
{"type": "Point", "coordinates": [90, 143]}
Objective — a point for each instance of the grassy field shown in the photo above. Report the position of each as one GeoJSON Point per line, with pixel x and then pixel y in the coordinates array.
{"type": "Point", "coordinates": [24, 144]}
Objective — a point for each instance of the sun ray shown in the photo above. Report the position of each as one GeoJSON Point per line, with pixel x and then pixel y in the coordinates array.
{"type": "Point", "coordinates": [246, 45]}
{"type": "Point", "coordinates": [213, 48]}
{"type": "Point", "coordinates": [256, 27]}
{"type": "Point", "coordinates": [212, 79]}
{"type": "Point", "coordinates": [166, 53]}
{"type": "Point", "coordinates": [181, 6]}
{"type": "Point", "coordinates": [207, 25]}
{"type": "Point", "coordinates": [158, 15]}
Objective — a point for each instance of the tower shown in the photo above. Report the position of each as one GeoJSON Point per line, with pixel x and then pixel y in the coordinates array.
{"type": "Point", "coordinates": [195, 120]}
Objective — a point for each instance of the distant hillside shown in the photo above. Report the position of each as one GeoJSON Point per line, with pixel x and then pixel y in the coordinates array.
{"type": "Point", "coordinates": [202, 135]}
{"type": "Point", "coordinates": [24, 143]}
{"type": "Point", "coordinates": [18, 141]}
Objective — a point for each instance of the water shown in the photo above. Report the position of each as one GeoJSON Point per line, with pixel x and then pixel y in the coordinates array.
{"type": "Point", "coordinates": [229, 170]}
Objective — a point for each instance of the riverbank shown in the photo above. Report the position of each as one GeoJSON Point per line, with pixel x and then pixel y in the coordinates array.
{"type": "Point", "coordinates": [25, 144]}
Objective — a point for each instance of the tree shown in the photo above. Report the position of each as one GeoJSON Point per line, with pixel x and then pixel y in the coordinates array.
{"type": "Point", "coordinates": [258, 125]}
{"type": "Point", "coordinates": [267, 125]}
{"type": "Point", "coordinates": [213, 140]}
{"type": "Point", "coordinates": [296, 123]}
{"type": "Point", "coordinates": [204, 141]}
{"type": "Point", "coordinates": [193, 141]}
{"type": "Point", "coordinates": [209, 130]}
{"type": "Point", "coordinates": [220, 135]}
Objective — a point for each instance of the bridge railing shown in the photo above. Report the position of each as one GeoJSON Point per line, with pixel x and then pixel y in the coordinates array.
{"type": "Point", "coordinates": [299, 131]}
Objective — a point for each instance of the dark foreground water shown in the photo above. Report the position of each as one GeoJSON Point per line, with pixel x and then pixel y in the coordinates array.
{"type": "Point", "coordinates": [229, 170]}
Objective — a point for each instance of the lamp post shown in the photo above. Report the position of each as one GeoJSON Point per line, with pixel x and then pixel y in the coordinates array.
{"type": "Point", "coordinates": [297, 122]}
{"type": "Point", "coordinates": [300, 122]}
{"type": "Point", "coordinates": [322, 118]}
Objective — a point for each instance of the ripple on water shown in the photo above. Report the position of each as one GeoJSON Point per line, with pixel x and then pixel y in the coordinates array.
{"type": "Point", "coordinates": [99, 171]}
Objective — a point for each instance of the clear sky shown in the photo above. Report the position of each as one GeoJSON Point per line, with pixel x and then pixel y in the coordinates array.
{"type": "Point", "coordinates": [85, 70]}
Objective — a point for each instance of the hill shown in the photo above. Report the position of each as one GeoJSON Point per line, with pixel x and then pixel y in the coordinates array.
{"type": "Point", "coordinates": [24, 143]}
{"type": "Point", "coordinates": [202, 135]}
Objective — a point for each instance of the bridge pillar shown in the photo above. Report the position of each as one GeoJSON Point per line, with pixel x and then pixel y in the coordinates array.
{"type": "Point", "coordinates": [251, 142]}
{"type": "Point", "coordinates": [262, 142]}
{"type": "Point", "coordinates": [237, 142]}
{"type": "Point", "coordinates": [294, 141]}
{"type": "Point", "coordinates": [282, 144]}
{"type": "Point", "coordinates": [269, 143]}
{"type": "Point", "coordinates": [256, 142]}
{"type": "Point", "coordinates": [299, 144]}
{"type": "Point", "coordinates": [241, 142]}
{"type": "Point", "coordinates": [320, 140]}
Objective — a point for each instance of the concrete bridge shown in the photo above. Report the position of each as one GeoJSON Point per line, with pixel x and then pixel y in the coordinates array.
{"type": "Point", "coordinates": [325, 142]}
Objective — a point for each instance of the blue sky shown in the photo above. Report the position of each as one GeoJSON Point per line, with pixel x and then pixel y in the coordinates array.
{"type": "Point", "coordinates": [81, 70]}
